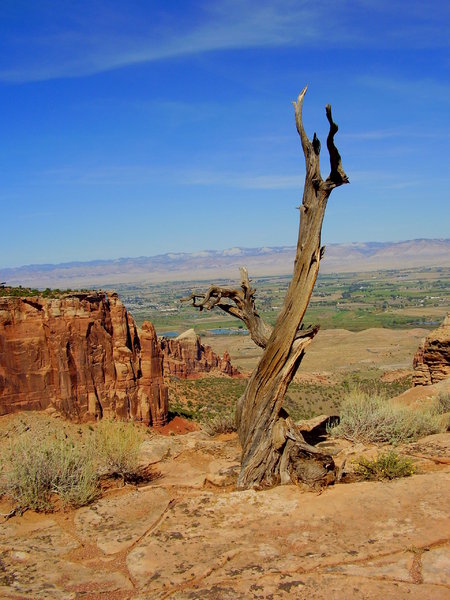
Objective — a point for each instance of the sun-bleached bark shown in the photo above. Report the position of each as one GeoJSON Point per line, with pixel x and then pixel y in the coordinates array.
{"type": "Point", "coordinates": [273, 450]}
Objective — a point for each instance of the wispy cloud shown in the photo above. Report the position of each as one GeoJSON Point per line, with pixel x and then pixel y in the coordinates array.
{"type": "Point", "coordinates": [110, 37]}
{"type": "Point", "coordinates": [103, 175]}
{"type": "Point", "coordinates": [411, 88]}
{"type": "Point", "coordinates": [254, 181]}
{"type": "Point", "coordinates": [400, 133]}
{"type": "Point", "coordinates": [130, 175]}
{"type": "Point", "coordinates": [384, 180]}
{"type": "Point", "coordinates": [222, 25]}
{"type": "Point", "coordinates": [144, 174]}
{"type": "Point", "coordinates": [377, 134]}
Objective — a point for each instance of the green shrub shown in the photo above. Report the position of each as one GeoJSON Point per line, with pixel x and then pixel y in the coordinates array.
{"type": "Point", "coordinates": [35, 470]}
{"type": "Point", "coordinates": [24, 292]}
{"type": "Point", "coordinates": [386, 466]}
{"type": "Point", "coordinates": [371, 418]}
{"type": "Point", "coordinates": [117, 447]}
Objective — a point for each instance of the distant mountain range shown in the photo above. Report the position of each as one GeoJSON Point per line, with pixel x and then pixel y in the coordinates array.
{"type": "Point", "coordinates": [215, 264]}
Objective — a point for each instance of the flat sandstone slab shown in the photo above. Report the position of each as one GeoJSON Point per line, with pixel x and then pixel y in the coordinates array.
{"type": "Point", "coordinates": [33, 563]}
{"type": "Point", "coordinates": [371, 531]}
{"type": "Point", "coordinates": [116, 523]}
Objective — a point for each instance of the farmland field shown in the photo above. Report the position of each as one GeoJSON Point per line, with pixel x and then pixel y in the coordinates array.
{"type": "Point", "coordinates": [394, 299]}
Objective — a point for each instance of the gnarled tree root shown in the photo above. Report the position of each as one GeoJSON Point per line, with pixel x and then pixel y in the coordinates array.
{"type": "Point", "coordinates": [288, 459]}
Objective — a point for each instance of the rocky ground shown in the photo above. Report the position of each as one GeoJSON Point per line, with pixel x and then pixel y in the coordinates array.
{"type": "Point", "coordinates": [189, 534]}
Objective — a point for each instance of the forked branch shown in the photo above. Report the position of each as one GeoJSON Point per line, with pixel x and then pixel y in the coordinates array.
{"type": "Point", "coordinates": [239, 303]}
{"type": "Point", "coordinates": [311, 150]}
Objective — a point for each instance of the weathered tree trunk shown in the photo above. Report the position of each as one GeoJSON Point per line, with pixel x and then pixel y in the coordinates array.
{"type": "Point", "coordinates": [273, 450]}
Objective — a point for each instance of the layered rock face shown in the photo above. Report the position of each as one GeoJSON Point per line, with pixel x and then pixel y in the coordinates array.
{"type": "Point", "coordinates": [152, 391]}
{"type": "Point", "coordinates": [432, 360]}
{"type": "Point", "coordinates": [82, 354]}
{"type": "Point", "coordinates": [187, 358]}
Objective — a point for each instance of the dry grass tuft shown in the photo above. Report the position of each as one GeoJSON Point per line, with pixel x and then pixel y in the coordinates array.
{"type": "Point", "coordinates": [372, 419]}
{"type": "Point", "coordinates": [42, 466]}
{"type": "Point", "coordinates": [35, 470]}
{"type": "Point", "coordinates": [443, 402]}
{"type": "Point", "coordinates": [225, 423]}
{"type": "Point", "coordinates": [117, 447]}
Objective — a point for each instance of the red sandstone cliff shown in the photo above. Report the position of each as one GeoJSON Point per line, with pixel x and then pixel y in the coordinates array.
{"type": "Point", "coordinates": [152, 391]}
{"type": "Point", "coordinates": [432, 360]}
{"type": "Point", "coordinates": [187, 358]}
{"type": "Point", "coordinates": [82, 354]}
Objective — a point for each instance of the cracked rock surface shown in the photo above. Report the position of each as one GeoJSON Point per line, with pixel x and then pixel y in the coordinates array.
{"type": "Point", "coordinates": [189, 534]}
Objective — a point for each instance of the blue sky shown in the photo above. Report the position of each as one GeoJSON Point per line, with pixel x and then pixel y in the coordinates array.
{"type": "Point", "coordinates": [144, 127]}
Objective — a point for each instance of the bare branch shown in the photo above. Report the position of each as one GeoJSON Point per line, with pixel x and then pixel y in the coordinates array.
{"type": "Point", "coordinates": [298, 105]}
{"type": "Point", "coordinates": [245, 284]}
{"type": "Point", "coordinates": [311, 150]}
{"type": "Point", "coordinates": [231, 310]}
{"type": "Point", "coordinates": [337, 174]}
{"type": "Point", "coordinates": [11, 513]}
{"type": "Point", "coordinates": [243, 307]}
{"type": "Point", "coordinates": [309, 332]}
{"type": "Point", "coordinates": [212, 297]}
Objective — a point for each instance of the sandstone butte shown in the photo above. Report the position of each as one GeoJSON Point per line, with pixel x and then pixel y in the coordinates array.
{"type": "Point", "coordinates": [81, 354]}
{"type": "Point", "coordinates": [187, 358]}
{"type": "Point", "coordinates": [431, 362]}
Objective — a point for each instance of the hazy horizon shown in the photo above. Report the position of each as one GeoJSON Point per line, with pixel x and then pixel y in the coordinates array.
{"type": "Point", "coordinates": [211, 250]}
{"type": "Point", "coordinates": [214, 264]}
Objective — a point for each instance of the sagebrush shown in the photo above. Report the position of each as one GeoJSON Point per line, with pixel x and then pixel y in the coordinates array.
{"type": "Point", "coordinates": [225, 423]}
{"type": "Point", "coordinates": [443, 402]}
{"type": "Point", "coordinates": [117, 447]}
{"type": "Point", "coordinates": [40, 467]}
{"type": "Point", "coordinates": [35, 470]}
{"type": "Point", "coordinates": [371, 418]}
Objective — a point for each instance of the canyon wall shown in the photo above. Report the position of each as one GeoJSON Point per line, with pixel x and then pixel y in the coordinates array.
{"type": "Point", "coordinates": [431, 362]}
{"type": "Point", "coordinates": [187, 358]}
{"type": "Point", "coordinates": [82, 354]}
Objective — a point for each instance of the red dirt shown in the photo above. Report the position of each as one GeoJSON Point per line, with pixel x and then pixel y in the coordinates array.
{"type": "Point", "coordinates": [178, 426]}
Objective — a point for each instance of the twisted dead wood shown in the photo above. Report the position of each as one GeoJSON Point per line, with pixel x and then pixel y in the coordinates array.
{"type": "Point", "coordinates": [273, 450]}
{"type": "Point", "coordinates": [243, 306]}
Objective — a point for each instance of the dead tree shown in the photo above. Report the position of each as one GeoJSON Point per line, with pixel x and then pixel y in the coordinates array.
{"type": "Point", "coordinates": [273, 450]}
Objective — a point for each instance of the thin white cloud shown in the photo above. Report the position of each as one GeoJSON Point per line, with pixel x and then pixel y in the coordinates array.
{"type": "Point", "coordinates": [412, 88]}
{"type": "Point", "coordinates": [243, 180]}
{"type": "Point", "coordinates": [377, 134]}
{"type": "Point", "coordinates": [400, 133]}
{"type": "Point", "coordinates": [129, 175]}
{"type": "Point", "coordinates": [145, 174]}
{"type": "Point", "coordinates": [225, 25]}
{"type": "Point", "coordinates": [102, 175]}
{"type": "Point", "coordinates": [113, 40]}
